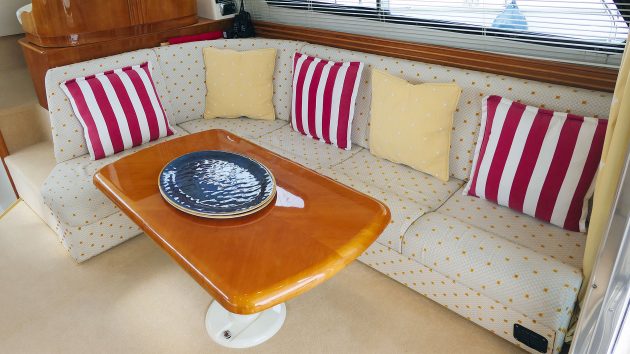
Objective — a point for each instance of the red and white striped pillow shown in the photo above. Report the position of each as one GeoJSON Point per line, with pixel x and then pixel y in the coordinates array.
{"type": "Point", "coordinates": [118, 109]}
{"type": "Point", "coordinates": [324, 93]}
{"type": "Point", "coordinates": [537, 161]}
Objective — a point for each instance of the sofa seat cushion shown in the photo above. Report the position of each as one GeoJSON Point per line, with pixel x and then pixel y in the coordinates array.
{"type": "Point", "coordinates": [243, 127]}
{"type": "Point", "coordinates": [534, 284]}
{"type": "Point", "coordinates": [307, 151]}
{"type": "Point", "coordinates": [404, 209]}
{"type": "Point", "coordinates": [544, 238]}
{"type": "Point", "coordinates": [399, 179]}
{"type": "Point", "coordinates": [184, 72]}
{"type": "Point", "coordinates": [71, 195]}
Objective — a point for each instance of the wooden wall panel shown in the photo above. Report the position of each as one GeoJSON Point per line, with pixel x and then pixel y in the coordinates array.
{"type": "Point", "coordinates": [583, 76]}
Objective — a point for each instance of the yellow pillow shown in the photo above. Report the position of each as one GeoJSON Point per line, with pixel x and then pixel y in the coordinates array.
{"type": "Point", "coordinates": [239, 84]}
{"type": "Point", "coordinates": [411, 124]}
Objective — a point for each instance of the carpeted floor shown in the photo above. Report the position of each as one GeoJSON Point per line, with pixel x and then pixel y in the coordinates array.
{"type": "Point", "coordinates": [135, 299]}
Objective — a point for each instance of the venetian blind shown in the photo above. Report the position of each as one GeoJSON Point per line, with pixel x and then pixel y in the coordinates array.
{"type": "Point", "coordinates": [583, 31]}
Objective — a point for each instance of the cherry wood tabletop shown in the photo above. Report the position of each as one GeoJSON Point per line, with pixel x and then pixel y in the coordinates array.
{"type": "Point", "coordinates": [313, 228]}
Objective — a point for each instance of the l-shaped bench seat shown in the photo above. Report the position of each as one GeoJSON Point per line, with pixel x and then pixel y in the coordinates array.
{"type": "Point", "coordinates": [490, 264]}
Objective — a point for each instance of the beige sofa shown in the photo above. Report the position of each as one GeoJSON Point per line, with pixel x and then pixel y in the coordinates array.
{"type": "Point", "coordinates": [490, 264]}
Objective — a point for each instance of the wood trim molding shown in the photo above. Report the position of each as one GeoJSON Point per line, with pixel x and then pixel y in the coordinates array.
{"type": "Point", "coordinates": [4, 152]}
{"type": "Point", "coordinates": [582, 76]}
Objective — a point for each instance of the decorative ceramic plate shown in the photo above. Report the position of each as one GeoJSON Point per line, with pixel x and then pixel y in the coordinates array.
{"type": "Point", "coordinates": [217, 184]}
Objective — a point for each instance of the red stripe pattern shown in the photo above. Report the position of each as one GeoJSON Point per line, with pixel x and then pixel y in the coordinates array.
{"type": "Point", "coordinates": [537, 161]}
{"type": "Point", "coordinates": [118, 109]}
{"type": "Point", "coordinates": [324, 94]}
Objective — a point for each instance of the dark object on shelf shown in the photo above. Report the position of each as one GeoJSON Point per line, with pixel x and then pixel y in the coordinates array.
{"type": "Point", "coordinates": [243, 27]}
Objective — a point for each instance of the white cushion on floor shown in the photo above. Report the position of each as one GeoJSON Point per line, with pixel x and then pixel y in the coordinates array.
{"type": "Point", "coordinates": [29, 168]}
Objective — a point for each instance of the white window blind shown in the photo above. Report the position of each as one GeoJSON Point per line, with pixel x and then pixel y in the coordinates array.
{"type": "Point", "coordinates": [584, 31]}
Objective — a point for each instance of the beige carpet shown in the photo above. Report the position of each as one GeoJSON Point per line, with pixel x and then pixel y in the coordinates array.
{"type": "Point", "coordinates": [134, 299]}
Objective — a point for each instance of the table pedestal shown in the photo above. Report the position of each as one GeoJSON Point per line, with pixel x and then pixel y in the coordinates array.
{"type": "Point", "coordinates": [243, 331]}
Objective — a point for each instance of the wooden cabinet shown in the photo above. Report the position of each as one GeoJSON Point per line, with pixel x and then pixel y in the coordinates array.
{"type": "Point", "coordinates": [62, 23]}
{"type": "Point", "coordinates": [62, 32]}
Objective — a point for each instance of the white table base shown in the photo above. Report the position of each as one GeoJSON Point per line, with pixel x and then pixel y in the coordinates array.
{"type": "Point", "coordinates": [243, 331]}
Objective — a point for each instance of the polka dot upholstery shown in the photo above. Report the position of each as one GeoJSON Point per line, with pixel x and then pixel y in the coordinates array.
{"type": "Point", "coordinates": [399, 179]}
{"type": "Point", "coordinates": [71, 195]}
{"type": "Point", "coordinates": [309, 152]}
{"type": "Point", "coordinates": [488, 263]}
{"type": "Point", "coordinates": [184, 72]}
{"type": "Point", "coordinates": [85, 242]}
{"type": "Point", "coordinates": [404, 209]}
{"type": "Point", "coordinates": [516, 276]}
{"type": "Point", "coordinates": [544, 238]}
{"type": "Point", "coordinates": [473, 305]}
{"type": "Point", "coordinates": [67, 132]}
{"type": "Point", "coordinates": [475, 85]}
{"type": "Point", "coordinates": [244, 127]}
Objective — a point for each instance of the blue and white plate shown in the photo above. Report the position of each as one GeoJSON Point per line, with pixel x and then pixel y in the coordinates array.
{"type": "Point", "coordinates": [217, 184]}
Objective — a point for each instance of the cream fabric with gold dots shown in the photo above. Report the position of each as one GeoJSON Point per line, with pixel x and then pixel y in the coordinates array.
{"type": "Point", "coordinates": [544, 238]}
{"type": "Point", "coordinates": [399, 179]}
{"type": "Point", "coordinates": [529, 282]}
{"type": "Point", "coordinates": [67, 132]}
{"type": "Point", "coordinates": [452, 294]}
{"type": "Point", "coordinates": [71, 195]}
{"type": "Point", "coordinates": [475, 86]}
{"type": "Point", "coordinates": [184, 72]}
{"type": "Point", "coordinates": [85, 242]}
{"type": "Point", "coordinates": [309, 152]}
{"type": "Point", "coordinates": [404, 209]}
{"type": "Point", "coordinates": [244, 127]}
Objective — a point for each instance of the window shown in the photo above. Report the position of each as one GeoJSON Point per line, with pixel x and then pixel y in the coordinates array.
{"type": "Point", "coordinates": [583, 26]}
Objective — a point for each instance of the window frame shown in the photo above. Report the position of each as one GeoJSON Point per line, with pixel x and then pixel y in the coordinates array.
{"type": "Point", "coordinates": [384, 15]}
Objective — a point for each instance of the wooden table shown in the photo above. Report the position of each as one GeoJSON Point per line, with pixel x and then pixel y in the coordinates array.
{"type": "Point", "coordinates": [250, 265]}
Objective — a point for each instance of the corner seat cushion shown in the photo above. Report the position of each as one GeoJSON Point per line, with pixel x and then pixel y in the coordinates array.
{"type": "Point", "coordinates": [534, 284]}
{"type": "Point", "coordinates": [243, 127]}
{"type": "Point", "coordinates": [307, 151]}
{"type": "Point", "coordinates": [544, 238]}
{"type": "Point", "coordinates": [72, 196]}
{"type": "Point", "coordinates": [185, 73]}
{"type": "Point", "coordinates": [404, 209]}
{"type": "Point", "coordinates": [399, 179]}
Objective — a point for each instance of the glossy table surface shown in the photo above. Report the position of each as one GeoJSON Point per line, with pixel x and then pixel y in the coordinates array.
{"type": "Point", "coordinates": [313, 228]}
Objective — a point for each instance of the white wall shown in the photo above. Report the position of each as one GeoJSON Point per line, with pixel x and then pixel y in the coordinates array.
{"type": "Point", "coordinates": [8, 21]}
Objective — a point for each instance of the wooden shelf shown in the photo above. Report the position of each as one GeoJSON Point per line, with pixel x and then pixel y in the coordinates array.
{"type": "Point", "coordinates": [583, 76]}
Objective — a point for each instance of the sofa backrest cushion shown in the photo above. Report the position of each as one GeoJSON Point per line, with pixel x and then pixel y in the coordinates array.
{"type": "Point", "coordinates": [475, 86]}
{"type": "Point", "coordinates": [184, 72]}
{"type": "Point", "coordinates": [67, 132]}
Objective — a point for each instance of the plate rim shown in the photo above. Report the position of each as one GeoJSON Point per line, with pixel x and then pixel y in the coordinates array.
{"type": "Point", "coordinates": [230, 215]}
